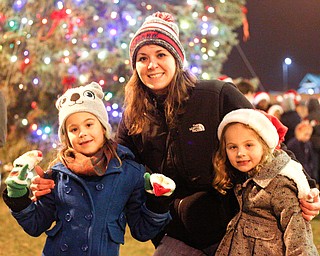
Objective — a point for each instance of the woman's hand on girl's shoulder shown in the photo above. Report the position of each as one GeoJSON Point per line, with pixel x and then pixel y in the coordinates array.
{"type": "Point", "coordinates": [310, 207]}
{"type": "Point", "coordinates": [39, 185]}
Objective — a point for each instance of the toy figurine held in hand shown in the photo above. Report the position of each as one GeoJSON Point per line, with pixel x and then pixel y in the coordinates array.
{"type": "Point", "coordinates": [19, 177]}
{"type": "Point", "coordinates": [159, 190]}
{"type": "Point", "coordinates": [158, 184]}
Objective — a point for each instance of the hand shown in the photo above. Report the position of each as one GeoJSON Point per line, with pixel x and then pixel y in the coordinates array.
{"type": "Point", "coordinates": [311, 206]}
{"type": "Point", "coordinates": [17, 182]}
{"type": "Point", "coordinates": [19, 177]}
{"type": "Point", "coordinates": [39, 185]}
{"type": "Point", "coordinates": [159, 184]}
{"type": "Point", "coordinates": [160, 189]}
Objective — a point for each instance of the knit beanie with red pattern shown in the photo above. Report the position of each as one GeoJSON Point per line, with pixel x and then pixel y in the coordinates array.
{"type": "Point", "coordinates": [158, 29]}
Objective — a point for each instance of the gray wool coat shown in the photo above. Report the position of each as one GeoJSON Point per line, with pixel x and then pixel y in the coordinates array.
{"type": "Point", "coordinates": [270, 220]}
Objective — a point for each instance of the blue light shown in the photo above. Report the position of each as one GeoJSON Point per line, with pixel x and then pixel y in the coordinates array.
{"type": "Point", "coordinates": [47, 129]}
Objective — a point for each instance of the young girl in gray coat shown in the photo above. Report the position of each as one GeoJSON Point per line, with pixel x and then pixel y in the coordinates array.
{"type": "Point", "coordinates": [270, 220]}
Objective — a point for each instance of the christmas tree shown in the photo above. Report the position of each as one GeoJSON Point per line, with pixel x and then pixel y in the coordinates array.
{"type": "Point", "coordinates": [47, 47]}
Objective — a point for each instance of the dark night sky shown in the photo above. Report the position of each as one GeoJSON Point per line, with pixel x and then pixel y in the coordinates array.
{"type": "Point", "coordinates": [279, 29]}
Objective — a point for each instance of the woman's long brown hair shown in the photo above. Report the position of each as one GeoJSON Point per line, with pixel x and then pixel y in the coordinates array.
{"type": "Point", "coordinates": [137, 106]}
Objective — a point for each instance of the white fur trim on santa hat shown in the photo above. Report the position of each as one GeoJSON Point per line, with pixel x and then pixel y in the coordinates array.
{"type": "Point", "coordinates": [256, 120]}
{"type": "Point", "coordinates": [83, 99]}
{"type": "Point", "coordinates": [259, 96]}
{"type": "Point", "coordinates": [275, 108]}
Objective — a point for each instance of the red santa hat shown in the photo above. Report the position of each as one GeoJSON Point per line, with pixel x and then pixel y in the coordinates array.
{"type": "Point", "coordinates": [259, 96]}
{"type": "Point", "coordinates": [269, 128]}
{"type": "Point", "coordinates": [225, 78]}
{"type": "Point", "coordinates": [294, 95]}
{"type": "Point", "coordinates": [274, 108]}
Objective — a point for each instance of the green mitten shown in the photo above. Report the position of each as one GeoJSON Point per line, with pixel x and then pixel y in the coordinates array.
{"type": "Point", "coordinates": [17, 182]}
{"type": "Point", "coordinates": [21, 173]}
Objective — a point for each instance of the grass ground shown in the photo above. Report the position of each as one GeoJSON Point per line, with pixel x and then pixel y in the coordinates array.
{"type": "Point", "coordinates": [14, 242]}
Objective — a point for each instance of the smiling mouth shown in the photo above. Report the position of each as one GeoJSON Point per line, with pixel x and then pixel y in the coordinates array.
{"type": "Point", "coordinates": [155, 75]}
{"type": "Point", "coordinates": [242, 162]}
{"type": "Point", "coordinates": [85, 142]}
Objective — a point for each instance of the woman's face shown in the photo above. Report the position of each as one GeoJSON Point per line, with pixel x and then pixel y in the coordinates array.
{"type": "Point", "coordinates": [156, 67]}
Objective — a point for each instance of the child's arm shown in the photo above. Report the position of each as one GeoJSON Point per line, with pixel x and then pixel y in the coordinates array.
{"type": "Point", "coordinates": [147, 214]}
{"type": "Point", "coordinates": [34, 218]}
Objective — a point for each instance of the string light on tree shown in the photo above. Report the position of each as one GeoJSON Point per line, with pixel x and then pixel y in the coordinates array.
{"type": "Point", "coordinates": [55, 45]}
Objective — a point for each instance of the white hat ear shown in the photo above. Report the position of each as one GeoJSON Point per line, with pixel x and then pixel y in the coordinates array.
{"type": "Point", "coordinates": [96, 88]}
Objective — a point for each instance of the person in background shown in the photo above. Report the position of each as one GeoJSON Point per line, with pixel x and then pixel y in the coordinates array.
{"type": "Point", "coordinates": [170, 121]}
{"type": "Point", "coordinates": [302, 109]}
{"type": "Point", "coordinates": [270, 220]}
{"type": "Point", "coordinates": [261, 100]}
{"type": "Point", "coordinates": [275, 110]}
{"type": "Point", "coordinates": [290, 117]}
{"type": "Point", "coordinates": [3, 120]}
{"type": "Point", "coordinates": [302, 148]}
{"type": "Point", "coordinates": [314, 119]}
{"type": "Point", "coordinates": [98, 187]}
{"type": "Point", "coordinates": [293, 94]}
{"type": "Point", "coordinates": [247, 89]}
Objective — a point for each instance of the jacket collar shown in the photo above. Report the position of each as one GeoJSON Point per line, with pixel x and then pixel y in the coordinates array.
{"type": "Point", "coordinates": [270, 170]}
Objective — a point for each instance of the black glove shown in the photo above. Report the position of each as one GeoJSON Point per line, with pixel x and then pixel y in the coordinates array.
{"type": "Point", "coordinates": [159, 204]}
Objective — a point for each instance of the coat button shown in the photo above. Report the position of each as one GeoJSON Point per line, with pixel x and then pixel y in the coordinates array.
{"type": "Point", "coordinates": [64, 247]}
{"type": "Point", "coordinates": [100, 187]}
{"type": "Point", "coordinates": [88, 216]}
{"type": "Point", "coordinates": [84, 247]}
{"type": "Point", "coordinates": [67, 190]}
{"type": "Point", "coordinates": [68, 217]}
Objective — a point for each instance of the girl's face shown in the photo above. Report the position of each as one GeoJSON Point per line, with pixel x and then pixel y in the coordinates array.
{"type": "Point", "coordinates": [85, 132]}
{"type": "Point", "coordinates": [243, 147]}
{"type": "Point", "coordinates": [156, 67]}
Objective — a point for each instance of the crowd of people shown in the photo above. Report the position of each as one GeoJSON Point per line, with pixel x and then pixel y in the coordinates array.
{"type": "Point", "coordinates": [178, 126]}
{"type": "Point", "coordinates": [301, 117]}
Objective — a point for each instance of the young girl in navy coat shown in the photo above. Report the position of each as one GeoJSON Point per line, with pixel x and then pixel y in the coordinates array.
{"type": "Point", "coordinates": [98, 186]}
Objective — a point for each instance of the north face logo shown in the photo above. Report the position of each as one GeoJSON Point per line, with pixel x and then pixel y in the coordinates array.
{"type": "Point", "coordinates": [197, 128]}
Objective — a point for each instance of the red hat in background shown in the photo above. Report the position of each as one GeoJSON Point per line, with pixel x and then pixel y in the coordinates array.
{"type": "Point", "coordinates": [294, 95]}
{"type": "Point", "coordinates": [259, 96]}
{"type": "Point", "coordinates": [225, 78]}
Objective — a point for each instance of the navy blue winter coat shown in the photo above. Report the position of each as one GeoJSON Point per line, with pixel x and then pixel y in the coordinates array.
{"type": "Point", "coordinates": [91, 212]}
